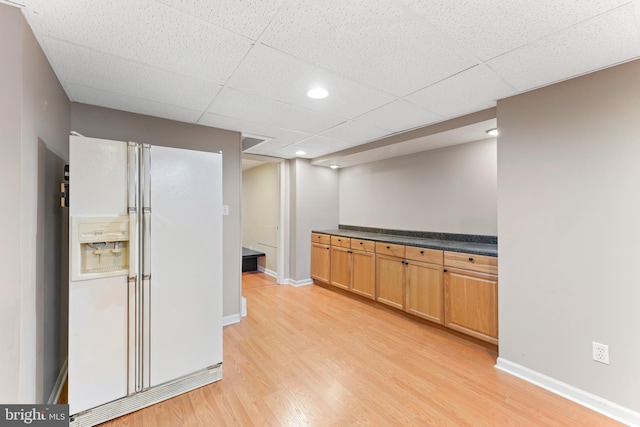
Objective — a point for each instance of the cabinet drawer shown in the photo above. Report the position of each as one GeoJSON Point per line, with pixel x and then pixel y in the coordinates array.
{"type": "Point", "coordinates": [343, 242]}
{"type": "Point", "coordinates": [363, 245]}
{"type": "Point", "coordinates": [480, 263]}
{"type": "Point", "coordinates": [323, 239]}
{"type": "Point", "coordinates": [390, 249]}
{"type": "Point", "coordinates": [432, 256]}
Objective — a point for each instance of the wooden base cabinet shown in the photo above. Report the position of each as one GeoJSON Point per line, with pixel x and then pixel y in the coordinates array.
{"type": "Point", "coordinates": [471, 296]}
{"type": "Point", "coordinates": [320, 257]}
{"type": "Point", "coordinates": [353, 269]}
{"type": "Point", "coordinates": [425, 291]}
{"type": "Point", "coordinates": [390, 279]}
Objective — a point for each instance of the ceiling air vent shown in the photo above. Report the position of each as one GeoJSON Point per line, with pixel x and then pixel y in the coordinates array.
{"type": "Point", "coordinates": [252, 141]}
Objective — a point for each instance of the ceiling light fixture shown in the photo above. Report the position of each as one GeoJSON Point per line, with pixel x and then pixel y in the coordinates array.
{"type": "Point", "coordinates": [300, 153]}
{"type": "Point", "coordinates": [334, 166]}
{"type": "Point", "coordinates": [317, 93]}
{"type": "Point", "coordinates": [493, 132]}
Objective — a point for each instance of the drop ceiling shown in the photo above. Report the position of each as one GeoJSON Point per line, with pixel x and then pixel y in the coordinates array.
{"type": "Point", "coordinates": [389, 65]}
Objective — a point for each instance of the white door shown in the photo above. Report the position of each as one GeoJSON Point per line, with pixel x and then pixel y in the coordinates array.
{"type": "Point", "coordinates": [185, 289]}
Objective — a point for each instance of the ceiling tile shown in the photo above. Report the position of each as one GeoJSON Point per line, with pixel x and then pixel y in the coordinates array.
{"type": "Point", "coordinates": [371, 41]}
{"type": "Point", "coordinates": [273, 74]}
{"type": "Point", "coordinates": [491, 29]}
{"type": "Point", "coordinates": [246, 106]}
{"type": "Point", "coordinates": [248, 17]}
{"type": "Point", "coordinates": [597, 43]}
{"type": "Point", "coordinates": [314, 146]}
{"type": "Point", "coordinates": [118, 101]}
{"type": "Point", "coordinates": [95, 69]}
{"type": "Point", "coordinates": [398, 116]}
{"type": "Point", "coordinates": [472, 90]}
{"type": "Point", "coordinates": [280, 136]}
{"type": "Point", "coordinates": [355, 132]}
{"type": "Point", "coordinates": [145, 31]}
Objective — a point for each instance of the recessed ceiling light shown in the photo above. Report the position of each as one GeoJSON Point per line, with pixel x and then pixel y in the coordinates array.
{"type": "Point", "coordinates": [300, 153]}
{"type": "Point", "coordinates": [317, 93]}
{"type": "Point", "coordinates": [493, 132]}
{"type": "Point", "coordinates": [334, 166]}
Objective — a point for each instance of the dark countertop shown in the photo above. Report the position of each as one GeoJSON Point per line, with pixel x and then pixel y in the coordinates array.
{"type": "Point", "coordinates": [489, 249]}
{"type": "Point", "coordinates": [250, 252]}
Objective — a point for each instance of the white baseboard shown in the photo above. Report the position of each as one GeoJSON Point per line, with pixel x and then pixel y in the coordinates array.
{"type": "Point", "coordinates": [268, 272]}
{"type": "Point", "coordinates": [297, 283]}
{"type": "Point", "coordinates": [231, 319]}
{"type": "Point", "coordinates": [243, 309]}
{"type": "Point", "coordinates": [54, 397]}
{"type": "Point", "coordinates": [581, 397]}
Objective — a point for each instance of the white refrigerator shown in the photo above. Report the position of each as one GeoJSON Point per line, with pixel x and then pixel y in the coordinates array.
{"type": "Point", "coordinates": [145, 290]}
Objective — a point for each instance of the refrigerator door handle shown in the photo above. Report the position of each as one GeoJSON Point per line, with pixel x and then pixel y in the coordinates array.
{"type": "Point", "coordinates": [133, 196]}
{"type": "Point", "coordinates": [145, 197]}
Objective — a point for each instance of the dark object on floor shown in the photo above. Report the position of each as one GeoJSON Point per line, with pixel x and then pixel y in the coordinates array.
{"type": "Point", "coordinates": [250, 259]}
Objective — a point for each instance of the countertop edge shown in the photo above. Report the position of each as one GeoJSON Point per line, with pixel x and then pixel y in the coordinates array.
{"type": "Point", "coordinates": [487, 249]}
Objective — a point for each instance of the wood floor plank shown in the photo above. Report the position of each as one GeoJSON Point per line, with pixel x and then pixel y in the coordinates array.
{"type": "Point", "coordinates": [309, 356]}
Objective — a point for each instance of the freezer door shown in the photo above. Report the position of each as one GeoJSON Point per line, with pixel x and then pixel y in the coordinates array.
{"type": "Point", "coordinates": [185, 284]}
{"type": "Point", "coordinates": [97, 342]}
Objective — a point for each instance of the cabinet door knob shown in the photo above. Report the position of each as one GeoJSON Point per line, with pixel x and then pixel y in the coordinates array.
{"type": "Point", "coordinates": [470, 259]}
{"type": "Point", "coordinates": [444, 271]}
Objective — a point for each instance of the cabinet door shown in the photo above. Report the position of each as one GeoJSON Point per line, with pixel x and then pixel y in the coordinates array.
{"type": "Point", "coordinates": [340, 267]}
{"type": "Point", "coordinates": [390, 281]}
{"type": "Point", "coordinates": [320, 262]}
{"type": "Point", "coordinates": [471, 304]}
{"type": "Point", "coordinates": [363, 269]}
{"type": "Point", "coordinates": [425, 295]}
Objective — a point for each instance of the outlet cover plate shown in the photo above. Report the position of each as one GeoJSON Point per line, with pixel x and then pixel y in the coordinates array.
{"type": "Point", "coordinates": [600, 352]}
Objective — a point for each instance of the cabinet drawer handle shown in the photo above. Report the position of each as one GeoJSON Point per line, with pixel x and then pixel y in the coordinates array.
{"type": "Point", "coordinates": [444, 271]}
{"type": "Point", "coordinates": [421, 252]}
{"type": "Point", "coordinates": [361, 243]}
{"type": "Point", "coordinates": [388, 247]}
{"type": "Point", "coordinates": [470, 259]}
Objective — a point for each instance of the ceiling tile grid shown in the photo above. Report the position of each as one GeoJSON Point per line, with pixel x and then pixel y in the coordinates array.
{"type": "Point", "coordinates": [274, 74]}
{"type": "Point", "coordinates": [371, 41]}
{"type": "Point", "coordinates": [597, 43]}
{"type": "Point", "coordinates": [247, 17]}
{"type": "Point", "coordinates": [118, 101]}
{"type": "Point", "coordinates": [143, 31]}
{"type": "Point", "coordinates": [246, 106]}
{"type": "Point", "coordinates": [471, 90]}
{"type": "Point", "coordinates": [86, 67]}
{"type": "Point", "coordinates": [389, 65]}
{"type": "Point", "coordinates": [489, 29]}
{"type": "Point", "coordinates": [398, 116]}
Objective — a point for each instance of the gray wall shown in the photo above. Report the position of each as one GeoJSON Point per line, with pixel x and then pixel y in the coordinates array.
{"type": "Point", "coordinates": [451, 189]}
{"type": "Point", "coordinates": [313, 206]}
{"type": "Point", "coordinates": [10, 285]}
{"type": "Point", "coordinates": [260, 212]}
{"type": "Point", "coordinates": [33, 108]}
{"type": "Point", "coordinates": [569, 231]}
{"type": "Point", "coordinates": [105, 123]}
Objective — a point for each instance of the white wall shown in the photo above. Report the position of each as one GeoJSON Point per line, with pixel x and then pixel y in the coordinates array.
{"type": "Point", "coordinates": [117, 125]}
{"type": "Point", "coordinates": [569, 231]}
{"type": "Point", "coordinates": [451, 190]}
{"type": "Point", "coordinates": [260, 211]}
{"type": "Point", "coordinates": [314, 206]}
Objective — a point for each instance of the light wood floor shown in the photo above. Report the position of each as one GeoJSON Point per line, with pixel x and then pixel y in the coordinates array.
{"type": "Point", "coordinates": [308, 356]}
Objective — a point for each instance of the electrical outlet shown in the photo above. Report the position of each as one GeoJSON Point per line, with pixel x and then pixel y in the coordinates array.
{"type": "Point", "coordinates": [600, 352]}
